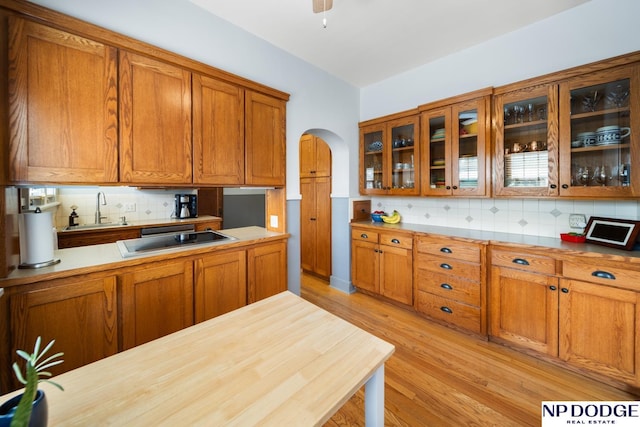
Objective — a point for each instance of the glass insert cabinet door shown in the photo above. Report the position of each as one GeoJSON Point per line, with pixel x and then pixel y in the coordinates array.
{"type": "Point", "coordinates": [455, 149]}
{"type": "Point", "coordinates": [526, 142]}
{"type": "Point", "coordinates": [389, 157]}
{"type": "Point", "coordinates": [599, 124]}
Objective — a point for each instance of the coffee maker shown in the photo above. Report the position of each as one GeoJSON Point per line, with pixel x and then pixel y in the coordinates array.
{"type": "Point", "coordinates": [186, 206]}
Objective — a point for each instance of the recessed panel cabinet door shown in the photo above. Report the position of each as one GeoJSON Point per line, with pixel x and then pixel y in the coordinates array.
{"type": "Point", "coordinates": [79, 314]}
{"type": "Point", "coordinates": [155, 122]}
{"type": "Point", "coordinates": [266, 270]}
{"type": "Point", "coordinates": [218, 132]}
{"type": "Point", "coordinates": [63, 106]}
{"type": "Point", "coordinates": [265, 140]}
{"type": "Point", "coordinates": [220, 284]}
{"type": "Point", "coordinates": [156, 301]}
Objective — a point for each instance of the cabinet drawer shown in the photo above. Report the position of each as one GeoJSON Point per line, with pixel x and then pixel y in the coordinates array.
{"type": "Point", "coordinates": [447, 249]}
{"type": "Point", "coordinates": [455, 313]}
{"type": "Point", "coordinates": [524, 261]}
{"type": "Point", "coordinates": [364, 235]}
{"type": "Point", "coordinates": [612, 276]}
{"type": "Point", "coordinates": [449, 267]}
{"type": "Point", "coordinates": [448, 286]}
{"type": "Point", "coordinates": [397, 239]}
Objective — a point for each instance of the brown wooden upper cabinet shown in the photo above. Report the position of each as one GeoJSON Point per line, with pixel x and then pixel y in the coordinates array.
{"type": "Point", "coordinates": [455, 146]}
{"type": "Point", "coordinates": [155, 121]}
{"type": "Point", "coordinates": [315, 157]}
{"type": "Point", "coordinates": [62, 106]}
{"type": "Point", "coordinates": [389, 155]}
{"type": "Point", "coordinates": [218, 132]}
{"type": "Point", "coordinates": [264, 140]}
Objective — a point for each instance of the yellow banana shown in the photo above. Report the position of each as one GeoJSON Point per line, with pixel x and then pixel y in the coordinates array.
{"type": "Point", "coordinates": [392, 219]}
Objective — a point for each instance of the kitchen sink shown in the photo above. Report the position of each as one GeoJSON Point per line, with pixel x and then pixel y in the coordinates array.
{"type": "Point", "coordinates": [163, 242]}
{"type": "Point", "coordinates": [94, 226]}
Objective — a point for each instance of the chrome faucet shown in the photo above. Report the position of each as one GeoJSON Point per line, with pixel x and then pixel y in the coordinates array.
{"type": "Point", "coordinates": [99, 216]}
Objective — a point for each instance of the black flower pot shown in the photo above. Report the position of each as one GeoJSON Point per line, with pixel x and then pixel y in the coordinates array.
{"type": "Point", "coordinates": [39, 411]}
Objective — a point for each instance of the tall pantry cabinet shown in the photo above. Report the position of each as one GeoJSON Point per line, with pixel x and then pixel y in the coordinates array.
{"type": "Point", "coordinates": [315, 207]}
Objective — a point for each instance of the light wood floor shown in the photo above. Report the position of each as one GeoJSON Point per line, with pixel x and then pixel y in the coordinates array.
{"type": "Point", "coordinates": [440, 377]}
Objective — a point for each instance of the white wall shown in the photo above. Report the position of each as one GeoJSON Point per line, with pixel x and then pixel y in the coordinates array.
{"type": "Point", "coordinates": [318, 100]}
{"type": "Point", "coordinates": [596, 30]}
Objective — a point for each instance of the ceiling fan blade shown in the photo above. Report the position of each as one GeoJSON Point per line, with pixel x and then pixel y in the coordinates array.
{"type": "Point", "coordinates": [322, 5]}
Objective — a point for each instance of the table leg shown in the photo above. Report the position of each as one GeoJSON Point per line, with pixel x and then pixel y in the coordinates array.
{"type": "Point", "coordinates": [374, 399]}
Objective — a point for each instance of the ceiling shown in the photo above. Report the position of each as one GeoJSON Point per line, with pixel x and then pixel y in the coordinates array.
{"type": "Point", "coordinates": [367, 41]}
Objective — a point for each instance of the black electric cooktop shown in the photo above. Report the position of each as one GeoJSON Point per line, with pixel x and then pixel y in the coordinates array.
{"type": "Point", "coordinates": [168, 241]}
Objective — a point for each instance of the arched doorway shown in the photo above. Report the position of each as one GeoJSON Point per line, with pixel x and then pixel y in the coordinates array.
{"type": "Point", "coordinates": [315, 206]}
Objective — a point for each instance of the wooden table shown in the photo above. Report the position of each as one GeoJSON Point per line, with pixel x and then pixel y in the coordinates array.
{"type": "Point", "coordinates": [281, 361]}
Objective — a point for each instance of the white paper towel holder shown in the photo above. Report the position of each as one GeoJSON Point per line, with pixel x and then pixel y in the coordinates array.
{"type": "Point", "coordinates": [39, 264]}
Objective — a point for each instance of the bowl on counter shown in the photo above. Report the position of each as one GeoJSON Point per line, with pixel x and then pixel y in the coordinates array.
{"type": "Point", "coordinates": [376, 217]}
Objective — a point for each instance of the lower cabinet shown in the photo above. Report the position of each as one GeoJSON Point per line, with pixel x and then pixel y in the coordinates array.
{"type": "Point", "coordinates": [449, 281]}
{"type": "Point", "coordinates": [79, 313]}
{"type": "Point", "coordinates": [266, 270]}
{"type": "Point", "coordinates": [220, 284]}
{"type": "Point", "coordinates": [155, 301]}
{"type": "Point", "coordinates": [582, 313]}
{"type": "Point", "coordinates": [382, 263]}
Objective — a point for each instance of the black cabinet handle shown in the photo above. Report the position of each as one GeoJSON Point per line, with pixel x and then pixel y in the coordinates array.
{"type": "Point", "coordinates": [553, 288]}
{"type": "Point", "coordinates": [565, 186]}
{"type": "Point", "coordinates": [396, 241]}
{"type": "Point", "coordinates": [448, 187]}
{"type": "Point", "coordinates": [564, 290]}
{"type": "Point", "coordinates": [364, 236]}
{"type": "Point", "coordinates": [446, 266]}
{"type": "Point", "coordinates": [553, 186]}
{"type": "Point", "coordinates": [520, 261]}
{"type": "Point", "coordinates": [376, 250]}
{"type": "Point", "coordinates": [455, 187]}
{"type": "Point", "coordinates": [446, 250]}
{"type": "Point", "coordinates": [446, 286]}
{"type": "Point", "coordinates": [312, 219]}
{"type": "Point", "coordinates": [446, 309]}
{"type": "Point", "coordinates": [603, 275]}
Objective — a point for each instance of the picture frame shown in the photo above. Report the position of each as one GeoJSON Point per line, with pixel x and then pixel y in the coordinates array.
{"type": "Point", "coordinates": [612, 232]}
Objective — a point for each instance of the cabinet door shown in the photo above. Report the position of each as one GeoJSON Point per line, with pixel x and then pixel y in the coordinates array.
{"type": "Point", "coordinates": [155, 122]}
{"type": "Point", "coordinates": [267, 270]}
{"type": "Point", "coordinates": [315, 225]}
{"type": "Point", "coordinates": [156, 301]}
{"type": "Point", "coordinates": [315, 157]}
{"type": "Point", "coordinates": [526, 142]}
{"type": "Point", "coordinates": [365, 265]}
{"type": "Point", "coordinates": [373, 165]}
{"type": "Point", "coordinates": [63, 106]}
{"type": "Point", "coordinates": [524, 309]}
{"type": "Point", "coordinates": [470, 148]}
{"type": "Point", "coordinates": [600, 116]}
{"type": "Point", "coordinates": [396, 274]}
{"type": "Point", "coordinates": [79, 314]}
{"type": "Point", "coordinates": [218, 132]}
{"type": "Point", "coordinates": [599, 329]}
{"type": "Point", "coordinates": [220, 284]}
{"type": "Point", "coordinates": [265, 140]}
{"type": "Point", "coordinates": [404, 156]}
{"type": "Point", "coordinates": [435, 126]}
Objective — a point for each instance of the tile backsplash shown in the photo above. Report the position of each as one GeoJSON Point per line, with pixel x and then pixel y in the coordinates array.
{"type": "Point", "coordinates": [147, 204]}
{"type": "Point", "coordinates": [538, 217]}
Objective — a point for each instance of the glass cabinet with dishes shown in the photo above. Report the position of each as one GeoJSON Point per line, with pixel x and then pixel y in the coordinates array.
{"type": "Point", "coordinates": [455, 139]}
{"type": "Point", "coordinates": [389, 156]}
{"type": "Point", "coordinates": [599, 127]}
{"type": "Point", "coordinates": [526, 141]}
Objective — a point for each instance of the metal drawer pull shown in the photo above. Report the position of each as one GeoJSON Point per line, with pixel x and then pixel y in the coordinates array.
{"type": "Point", "coordinates": [553, 288]}
{"type": "Point", "coordinates": [446, 266]}
{"type": "Point", "coordinates": [446, 250]}
{"type": "Point", "coordinates": [520, 261]}
{"type": "Point", "coordinates": [564, 290]}
{"type": "Point", "coordinates": [396, 241]}
{"type": "Point", "coordinates": [364, 236]}
{"type": "Point", "coordinates": [446, 309]}
{"type": "Point", "coordinates": [446, 286]}
{"type": "Point", "coordinates": [603, 275]}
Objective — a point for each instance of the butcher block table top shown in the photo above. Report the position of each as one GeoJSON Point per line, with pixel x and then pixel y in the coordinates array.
{"type": "Point", "coordinates": [281, 361]}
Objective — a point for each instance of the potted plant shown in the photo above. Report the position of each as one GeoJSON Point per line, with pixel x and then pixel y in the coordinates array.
{"type": "Point", "coordinates": [18, 410]}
